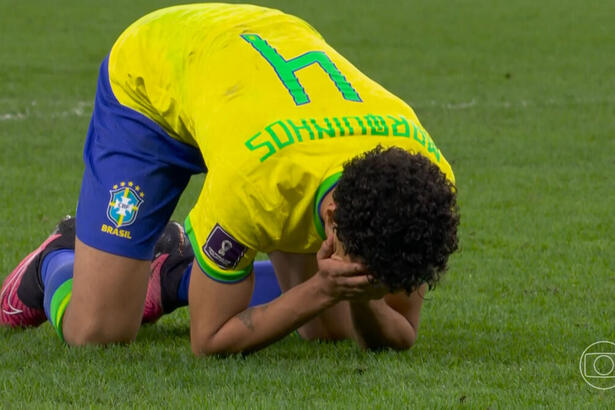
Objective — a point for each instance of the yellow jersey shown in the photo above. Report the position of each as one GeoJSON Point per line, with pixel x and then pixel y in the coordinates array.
{"type": "Point", "coordinates": [275, 112]}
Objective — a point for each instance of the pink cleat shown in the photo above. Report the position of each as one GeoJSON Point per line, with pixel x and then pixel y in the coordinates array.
{"type": "Point", "coordinates": [14, 312]}
{"type": "Point", "coordinates": [153, 300]}
{"type": "Point", "coordinates": [172, 254]}
{"type": "Point", "coordinates": [21, 297]}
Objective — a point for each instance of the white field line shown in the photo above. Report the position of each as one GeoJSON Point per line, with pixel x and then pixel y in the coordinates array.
{"type": "Point", "coordinates": [84, 108]}
{"type": "Point", "coordinates": [12, 117]}
{"type": "Point", "coordinates": [547, 102]}
{"type": "Point", "coordinates": [80, 109]}
{"type": "Point", "coordinates": [464, 105]}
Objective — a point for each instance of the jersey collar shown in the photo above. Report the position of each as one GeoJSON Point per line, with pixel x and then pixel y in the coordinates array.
{"type": "Point", "coordinates": [325, 187]}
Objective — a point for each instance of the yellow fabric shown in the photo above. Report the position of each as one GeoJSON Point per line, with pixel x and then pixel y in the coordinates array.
{"type": "Point", "coordinates": [189, 69]}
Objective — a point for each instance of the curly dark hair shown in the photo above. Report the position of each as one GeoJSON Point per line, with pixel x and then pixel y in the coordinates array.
{"type": "Point", "coordinates": [397, 213]}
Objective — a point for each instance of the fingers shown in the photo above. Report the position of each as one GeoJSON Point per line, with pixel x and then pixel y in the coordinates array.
{"type": "Point", "coordinates": [345, 279]}
{"type": "Point", "coordinates": [326, 249]}
{"type": "Point", "coordinates": [361, 288]}
{"type": "Point", "coordinates": [356, 282]}
{"type": "Point", "coordinates": [336, 266]}
{"type": "Point", "coordinates": [342, 268]}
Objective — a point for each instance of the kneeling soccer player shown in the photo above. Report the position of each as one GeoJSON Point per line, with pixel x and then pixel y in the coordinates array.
{"type": "Point", "coordinates": [307, 160]}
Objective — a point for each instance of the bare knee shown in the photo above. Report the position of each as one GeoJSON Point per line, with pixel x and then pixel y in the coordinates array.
{"type": "Point", "coordinates": [107, 299]}
{"type": "Point", "coordinates": [98, 329]}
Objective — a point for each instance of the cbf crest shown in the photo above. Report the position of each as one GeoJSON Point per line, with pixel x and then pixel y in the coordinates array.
{"type": "Point", "coordinates": [126, 198]}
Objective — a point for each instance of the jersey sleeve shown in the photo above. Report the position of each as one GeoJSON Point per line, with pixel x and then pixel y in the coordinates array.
{"type": "Point", "coordinates": [219, 254]}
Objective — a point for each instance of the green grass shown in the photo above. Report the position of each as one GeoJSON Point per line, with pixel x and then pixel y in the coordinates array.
{"type": "Point", "coordinates": [520, 97]}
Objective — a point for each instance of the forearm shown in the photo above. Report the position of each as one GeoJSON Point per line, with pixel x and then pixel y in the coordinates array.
{"type": "Point", "coordinates": [259, 326]}
{"type": "Point", "coordinates": [377, 325]}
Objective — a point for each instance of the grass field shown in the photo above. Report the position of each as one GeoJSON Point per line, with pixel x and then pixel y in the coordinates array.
{"type": "Point", "coordinates": [520, 97]}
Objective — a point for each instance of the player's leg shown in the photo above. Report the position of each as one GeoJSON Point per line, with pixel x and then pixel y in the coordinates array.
{"type": "Point", "coordinates": [133, 177]}
{"type": "Point", "coordinates": [167, 288]}
{"type": "Point", "coordinates": [98, 296]}
{"type": "Point", "coordinates": [21, 297]}
{"type": "Point", "coordinates": [100, 312]}
{"type": "Point", "coordinates": [106, 303]}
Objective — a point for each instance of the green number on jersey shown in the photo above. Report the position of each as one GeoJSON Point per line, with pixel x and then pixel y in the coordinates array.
{"type": "Point", "coordinates": [286, 69]}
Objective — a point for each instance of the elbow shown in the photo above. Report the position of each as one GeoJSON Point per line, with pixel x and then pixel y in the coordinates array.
{"type": "Point", "coordinates": [202, 348]}
{"type": "Point", "coordinates": [209, 349]}
{"type": "Point", "coordinates": [213, 345]}
{"type": "Point", "coordinates": [405, 344]}
{"type": "Point", "coordinates": [205, 345]}
{"type": "Point", "coordinates": [406, 340]}
{"type": "Point", "coordinates": [400, 343]}
{"type": "Point", "coordinates": [399, 346]}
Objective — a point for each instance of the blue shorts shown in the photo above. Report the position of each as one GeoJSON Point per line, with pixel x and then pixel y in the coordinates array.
{"type": "Point", "coordinates": [134, 175]}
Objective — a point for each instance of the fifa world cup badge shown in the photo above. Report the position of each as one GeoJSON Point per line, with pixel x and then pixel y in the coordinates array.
{"type": "Point", "coordinates": [223, 249]}
{"type": "Point", "coordinates": [126, 198]}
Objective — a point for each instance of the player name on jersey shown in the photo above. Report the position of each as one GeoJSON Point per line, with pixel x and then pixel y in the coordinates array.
{"type": "Point", "coordinates": [282, 133]}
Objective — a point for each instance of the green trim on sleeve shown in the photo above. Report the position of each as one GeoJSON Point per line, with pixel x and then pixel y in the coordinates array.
{"type": "Point", "coordinates": [215, 274]}
{"type": "Point", "coordinates": [324, 188]}
{"type": "Point", "coordinates": [59, 302]}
